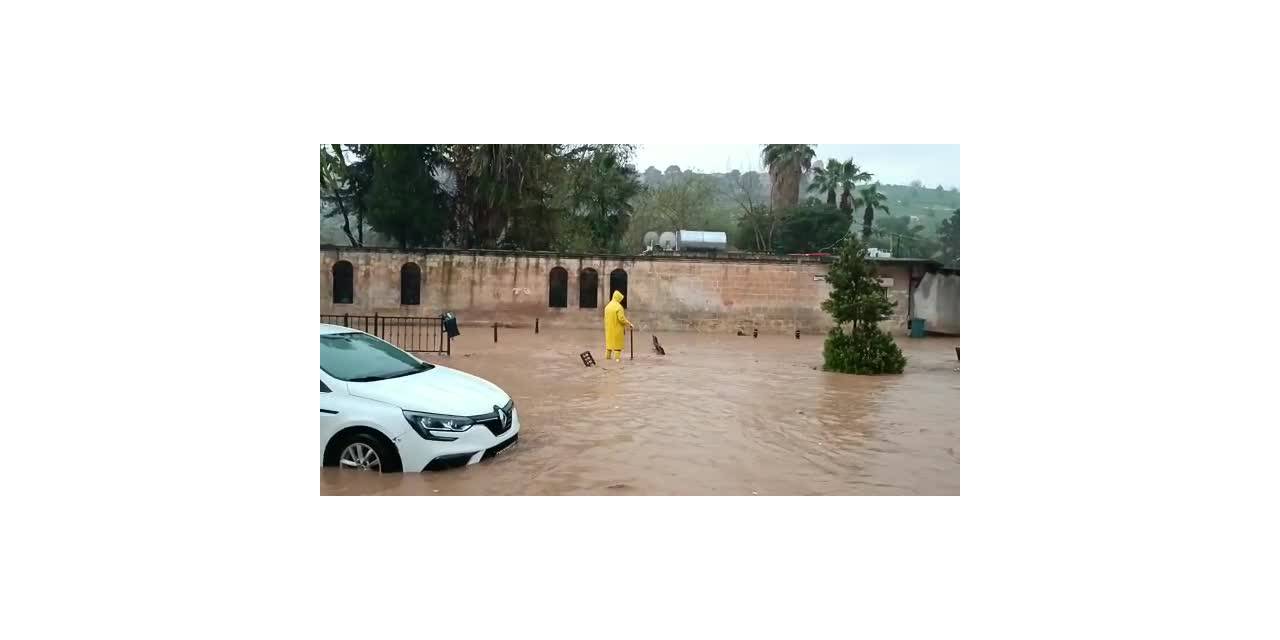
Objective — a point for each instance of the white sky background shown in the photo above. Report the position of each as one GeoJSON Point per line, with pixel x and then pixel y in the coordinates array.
{"type": "Point", "coordinates": [931, 164]}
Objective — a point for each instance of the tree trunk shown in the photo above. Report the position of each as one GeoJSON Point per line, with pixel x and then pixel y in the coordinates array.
{"type": "Point", "coordinates": [846, 201]}
{"type": "Point", "coordinates": [831, 197]}
{"type": "Point", "coordinates": [346, 221]}
{"type": "Point", "coordinates": [866, 223]}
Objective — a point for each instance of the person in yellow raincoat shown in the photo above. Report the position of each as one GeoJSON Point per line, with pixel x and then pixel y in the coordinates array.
{"type": "Point", "coordinates": [615, 321]}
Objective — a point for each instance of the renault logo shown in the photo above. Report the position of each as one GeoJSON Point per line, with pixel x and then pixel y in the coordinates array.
{"type": "Point", "coordinates": [504, 418]}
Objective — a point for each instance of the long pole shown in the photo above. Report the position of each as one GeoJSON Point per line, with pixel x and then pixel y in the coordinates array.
{"type": "Point", "coordinates": [633, 343]}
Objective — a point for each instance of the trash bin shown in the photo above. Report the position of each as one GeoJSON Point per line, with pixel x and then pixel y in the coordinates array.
{"type": "Point", "coordinates": [451, 325]}
{"type": "Point", "coordinates": [917, 327]}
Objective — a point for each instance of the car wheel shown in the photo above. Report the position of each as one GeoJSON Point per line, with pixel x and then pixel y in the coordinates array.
{"type": "Point", "coordinates": [363, 452]}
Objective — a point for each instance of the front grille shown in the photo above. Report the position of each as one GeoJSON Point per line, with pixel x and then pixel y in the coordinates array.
{"type": "Point", "coordinates": [493, 424]}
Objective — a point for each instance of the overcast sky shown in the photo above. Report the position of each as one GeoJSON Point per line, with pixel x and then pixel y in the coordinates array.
{"type": "Point", "coordinates": [931, 164]}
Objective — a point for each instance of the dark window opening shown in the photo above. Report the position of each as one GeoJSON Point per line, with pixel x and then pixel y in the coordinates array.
{"type": "Point", "coordinates": [410, 284]}
{"type": "Point", "coordinates": [558, 295]}
{"type": "Point", "coordinates": [588, 288]}
{"type": "Point", "coordinates": [344, 290]}
{"type": "Point", "coordinates": [618, 282]}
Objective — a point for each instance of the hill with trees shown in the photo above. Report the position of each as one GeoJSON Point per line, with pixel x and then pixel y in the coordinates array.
{"type": "Point", "coordinates": [590, 198]}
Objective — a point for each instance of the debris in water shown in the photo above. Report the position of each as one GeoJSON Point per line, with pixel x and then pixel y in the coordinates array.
{"type": "Point", "coordinates": [587, 360]}
{"type": "Point", "coordinates": [657, 348]}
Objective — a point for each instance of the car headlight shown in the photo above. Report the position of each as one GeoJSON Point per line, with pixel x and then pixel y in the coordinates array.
{"type": "Point", "coordinates": [433, 426]}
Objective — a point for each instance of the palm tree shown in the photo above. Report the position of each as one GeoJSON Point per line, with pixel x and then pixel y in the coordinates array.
{"type": "Point", "coordinates": [850, 175]}
{"type": "Point", "coordinates": [872, 199]}
{"type": "Point", "coordinates": [827, 180]}
{"type": "Point", "coordinates": [786, 162]}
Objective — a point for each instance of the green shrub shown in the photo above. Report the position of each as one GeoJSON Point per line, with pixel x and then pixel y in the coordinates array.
{"type": "Point", "coordinates": [868, 351]}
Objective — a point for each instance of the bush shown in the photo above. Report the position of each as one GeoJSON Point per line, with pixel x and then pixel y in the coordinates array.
{"type": "Point", "coordinates": [867, 351]}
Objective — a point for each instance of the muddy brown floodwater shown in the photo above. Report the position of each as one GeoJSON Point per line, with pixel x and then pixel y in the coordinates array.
{"type": "Point", "coordinates": [717, 415]}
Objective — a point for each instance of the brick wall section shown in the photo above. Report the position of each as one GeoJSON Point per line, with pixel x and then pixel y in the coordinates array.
{"type": "Point", "coordinates": [663, 293]}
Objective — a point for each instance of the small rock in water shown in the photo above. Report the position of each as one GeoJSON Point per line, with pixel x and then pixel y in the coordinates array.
{"type": "Point", "coordinates": [799, 411]}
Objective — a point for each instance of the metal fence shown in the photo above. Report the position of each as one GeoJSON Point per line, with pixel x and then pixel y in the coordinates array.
{"type": "Point", "coordinates": [415, 334]}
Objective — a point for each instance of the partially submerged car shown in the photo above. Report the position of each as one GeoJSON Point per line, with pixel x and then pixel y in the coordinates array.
{"type": "Point", "coordinates": [382, 409]}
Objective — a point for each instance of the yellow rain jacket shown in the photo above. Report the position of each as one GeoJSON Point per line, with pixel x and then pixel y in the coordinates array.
{"type": "Point", "coordinates": [615, 321]}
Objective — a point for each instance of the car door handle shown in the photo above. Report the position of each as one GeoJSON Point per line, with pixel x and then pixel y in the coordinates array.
{"type": "Point", "coordinates": [329, 412]}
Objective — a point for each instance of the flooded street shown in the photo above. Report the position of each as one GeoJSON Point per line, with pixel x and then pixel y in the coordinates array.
{"type": "Point", "coordinates": [717, 415]}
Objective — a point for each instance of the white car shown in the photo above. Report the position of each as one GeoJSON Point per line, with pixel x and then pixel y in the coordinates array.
{"type": "Point", "coordinates": [382, 409]}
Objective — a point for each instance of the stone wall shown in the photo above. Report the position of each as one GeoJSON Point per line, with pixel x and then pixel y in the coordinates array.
{"type": "Point", "coordinates": [663, 293]}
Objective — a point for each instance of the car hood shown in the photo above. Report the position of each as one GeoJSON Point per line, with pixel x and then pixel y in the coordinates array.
{"type": "Point", "coordinates": [440, 390]}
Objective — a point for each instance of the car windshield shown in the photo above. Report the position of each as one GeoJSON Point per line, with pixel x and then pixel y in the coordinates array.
{"type": "Point", "coordinates": [358, 357]}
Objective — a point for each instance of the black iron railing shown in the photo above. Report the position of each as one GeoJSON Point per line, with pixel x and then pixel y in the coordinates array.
{"type": "Point", "coordinates": [415, 334]}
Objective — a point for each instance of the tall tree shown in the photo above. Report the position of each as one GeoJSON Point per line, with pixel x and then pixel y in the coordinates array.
{"type": "Point", "coordinates": [786, 163]}
{"type": "Point", "coordinates": [499, 186]}
{"type": "Point", "coordinates": [603, 186]}
{"type": "Point", "coordinates": [827, 180]}
{"type": "Point", "coordinates": [869, 199]}
{"type": "Point", "coordinates": [850, 175]}
{"type": "Point", "coordinates": [404, 200]}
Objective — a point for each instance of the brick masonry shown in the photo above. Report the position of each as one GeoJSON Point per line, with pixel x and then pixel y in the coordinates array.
{"type": "Point", "coordinates": [664, 293]}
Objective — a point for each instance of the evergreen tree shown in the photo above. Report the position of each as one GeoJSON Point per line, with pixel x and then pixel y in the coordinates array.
{"type": "Point", "coordinates": [404, 200]}
{"type": "Point", "coordinates": [858, 300]}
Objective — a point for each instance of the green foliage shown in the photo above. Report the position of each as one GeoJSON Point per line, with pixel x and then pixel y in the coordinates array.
{"type": "Point", "coordinates": [403, 198]}
{"type": "Point", "coordinates": [503, 193]}
{"type": "Point", "coordinates": [864, 352]}
{"type": "Point", "coordinates": [838, 176]}
{"type": "Point", "coordinates": [903, 237]}
{"type": "Point", "coordinates": [858, 300]}
{"type": "Point", "coordinates": [589, 198]}
{"type": "Point", "coordinates": [811, 229]}
{"type": "Point", "coordinates": [603, 188]}
{"type": "Point", "coordinates": [949, 235]}
{"type": "Point", "coordinates": [869, 200]}
{"type": "Point", "coordinates": [827, 180]}
{"type": "Point", "coordinates": [680, 203]}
